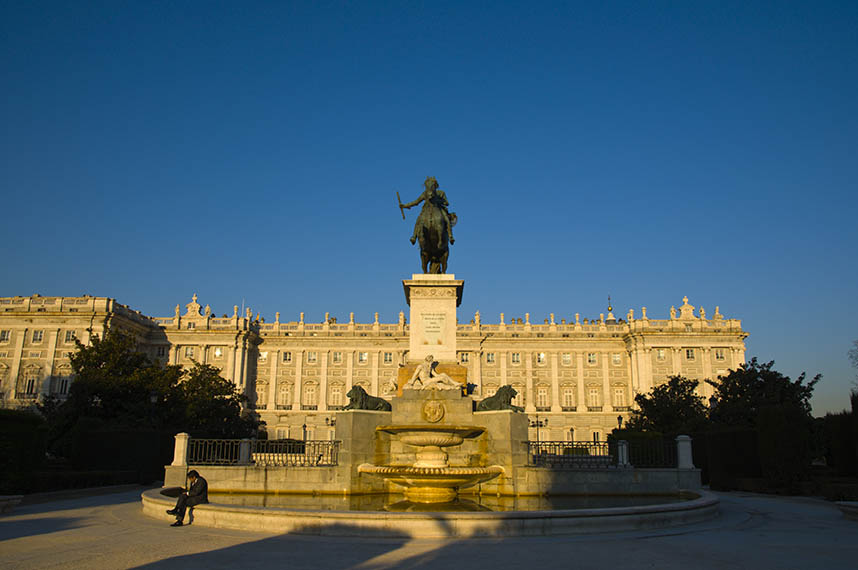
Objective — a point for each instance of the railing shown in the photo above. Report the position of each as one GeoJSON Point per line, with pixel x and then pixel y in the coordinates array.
{"type": "Point", "coordinates": [571, 454]}
{"type": "Point", "coordinates": [653, 453]}
{"type": "Point", "coordinates": [293, 453]}
{"type": "Point", "coordinates": [214, 451]}
{"type": "Point", "coordinates": [267, 453]}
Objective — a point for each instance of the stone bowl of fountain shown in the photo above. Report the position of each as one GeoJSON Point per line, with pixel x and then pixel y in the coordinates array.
{"type": "Point", "coordinates": [431, 479]}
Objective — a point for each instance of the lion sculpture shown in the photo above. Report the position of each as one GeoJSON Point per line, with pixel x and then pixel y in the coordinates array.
{"type": "Point", "coordinates": [502, 400]}
{"type": "Point", "coordinates": [360, 400]}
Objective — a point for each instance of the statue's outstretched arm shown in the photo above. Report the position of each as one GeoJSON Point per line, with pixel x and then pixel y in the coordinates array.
{"type": "Point", "coordinates": [415, 202]}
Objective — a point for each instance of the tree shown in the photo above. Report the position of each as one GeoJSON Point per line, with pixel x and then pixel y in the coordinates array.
{"type": "Point", "coordinates": [742, 395]}
{"type": "Point", "coordinates": [672, 408]}
{"type": "Point", "coordinates": [775, 411]}
{"type": "Point", "coordinates": [213, 406]}
{"type": "Point", "coordinates": [118, 387]}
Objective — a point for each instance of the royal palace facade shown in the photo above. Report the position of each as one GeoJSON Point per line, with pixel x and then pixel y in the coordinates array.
{"type": "Point", "coordinates": [574, 377]}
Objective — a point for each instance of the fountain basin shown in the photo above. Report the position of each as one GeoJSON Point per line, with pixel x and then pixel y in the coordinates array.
{"type": "Point", "coordinates": [436, 523]}
{"type": "Point", "coordinates": [429, 439]}
{"type": "Point", "coordinates": [432, 484]}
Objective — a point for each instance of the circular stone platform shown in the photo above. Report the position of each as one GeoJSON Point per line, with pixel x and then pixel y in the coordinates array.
{"type": "Point", "coordinates": [441, 524]}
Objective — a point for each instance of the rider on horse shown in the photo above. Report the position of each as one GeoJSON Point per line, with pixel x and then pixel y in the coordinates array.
{"type": "Point", "coordinates": [430, 197]}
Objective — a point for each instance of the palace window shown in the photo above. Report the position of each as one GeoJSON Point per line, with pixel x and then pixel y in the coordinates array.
{"type": "Point", "coordinates": [363, 357]}
{"type": "Point", "coordinates": [463, 357]}
{"type": "Point", "coordinates": [162, 351]}
{"type": "Point", "coordinates": [218, 352]}
{"type": "Point", "coordinates": [192, 326]}
{"type": "Point", "coordinates": [689, 354]}
{"type": "Point", "coordinates": [263, 357]}
{"type": "Point", "coordinates": [189, 352]}
{"type": "Point", "coordinates": [616, 359]}
{"type": "Point", "coordinates": [69, 336]}
{"type": "Point", "coordinates": [688, 328]}
{"type": "Point", "coordinates": [286, 394]}
{"type": "Point", "coordinates": [31, 380]}
{"type": "Point", "coordinates": [591, 358]}
{"type": "Point", "coordinates": [336, 396]}
{"type": "Point", "coordinates": [516, 357]}
{"type": "Point", "coordinates": [337, 357]}
{"type": "Point", "coordinates": [597, 435]}
{"type": "Point", "coordinates": [388, 357]}
{"type": "Point", "coordinates": [5, 336]}
{"type": "Point", "coordinates": [38, 336]}
{"type": "Point", "coordinates": [593, 398]}
{"type": "Point", "coordinates": [64, 386]}
{"type": "Point", "coordinates": [490, 357]}
{"type": "Point", "coordinates": [312, 357]}
{"type": "Point", "coordinates": [568, 397]}
{"type": "Point", "coordinates": [659, 354]}
{"type": "Point", "coordinates": [310, 395]}
{"type": "Point", "coordinates": [566, 359]}
{"type": "Point", "coordinates": [540, 358]}
{"type": "Point", "coordinates": [287, 356]}
{"type": "Point", "coordinates": [719, 354]}
{"type": "Point", "coordinates": [542, 397]}
{"type": "Point", "coordinates": [619, 397]}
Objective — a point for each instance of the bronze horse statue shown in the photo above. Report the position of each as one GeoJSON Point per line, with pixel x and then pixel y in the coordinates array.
{"type": "Point", "coordinates": [433, 228]}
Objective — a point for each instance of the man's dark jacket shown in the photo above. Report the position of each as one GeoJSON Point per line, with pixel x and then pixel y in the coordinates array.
{"type": "Point", "coordinates": [199, 492]}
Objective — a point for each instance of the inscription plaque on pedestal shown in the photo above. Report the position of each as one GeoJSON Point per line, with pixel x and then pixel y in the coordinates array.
{"type": "Point", "coordinates": [433, 300]}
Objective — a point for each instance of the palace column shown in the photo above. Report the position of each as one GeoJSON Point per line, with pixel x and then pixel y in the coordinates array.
{"type": "Point", "coordinates": [298, 395]}
{"type": "Point", "coordinates": [230, 363]}
{"type": "Point", "coordinates": [634, 371]}
{"type": "Point", "coordinates": [374, 373]}
{"type": "Point", "coordinates": [502, 356]}
{"type": "Point", "coordinates": [350, 364]}
{"type": "Point", "coordinates": [555, 385]}
{"type": "Point", "coordinates": [271, 404]}
{"type": "Point", "coordinates": [647, 381]}
{"type": "Point", "coordinates": [530, 399]}
{"type": "Point", "coordinates": [675, 361]}
{"type": "Point", "coordinates": [323, 381]}
{"type": "Point", "coordinates": [45, 388]}
{"type": "Point", "coordinates": [581, 403]}
{"type": "Point", "coordinates": [705, 388]}
{"type": "Point", "coordinates": [607, 404]}
{"type": "Point", "coordinates": [16, 361]}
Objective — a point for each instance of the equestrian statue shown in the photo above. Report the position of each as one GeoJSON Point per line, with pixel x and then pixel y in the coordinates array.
{"type": "Point", "coordinates": [433, 228]}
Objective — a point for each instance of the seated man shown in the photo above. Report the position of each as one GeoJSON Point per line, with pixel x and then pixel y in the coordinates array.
{"type": "Point", "coordinates": [197, 494]}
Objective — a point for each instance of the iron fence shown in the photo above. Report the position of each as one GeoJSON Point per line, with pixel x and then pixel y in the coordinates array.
{"type": "Point", "coordinates": [214, 451]}
{"type": "Point", "coordinates": [267, 453]}
{"type": "Point", "coordinates": [652, 453]}
{"type": "Point", "coordinates": [572, 454]}
{"type": "Point", "coordinates": [293, 453]}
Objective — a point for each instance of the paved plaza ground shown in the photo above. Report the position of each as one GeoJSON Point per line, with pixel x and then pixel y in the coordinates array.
{"type": "Point", "coordinates": [106, 529]}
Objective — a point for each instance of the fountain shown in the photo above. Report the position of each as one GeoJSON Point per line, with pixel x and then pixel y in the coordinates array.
{"type": "Point", "coordinates": [431, 479]}
{"type": "Point", "coordinates": [432, 462]}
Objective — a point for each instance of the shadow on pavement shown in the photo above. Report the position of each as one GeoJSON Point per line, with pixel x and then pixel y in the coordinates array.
{"type": "Point", "coordinates": [293, 551]}
{"type": "Point", "coordinates": [18, 528]}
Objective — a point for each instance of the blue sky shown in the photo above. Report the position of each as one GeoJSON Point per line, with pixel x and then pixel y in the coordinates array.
{"type": "Point", "coordinates": [251, 151]}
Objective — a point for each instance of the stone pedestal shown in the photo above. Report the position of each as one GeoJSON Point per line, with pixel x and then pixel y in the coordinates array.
{"type": "Point", "coordinates": [433, 300]}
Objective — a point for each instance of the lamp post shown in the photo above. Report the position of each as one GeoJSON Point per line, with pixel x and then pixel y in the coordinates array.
{"type": "Point", "coordinates": [304, 427]}
{"type": "Point", "coordinates": [537, 423]}
{"type": "Point", "coordinates": [619, 422]}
